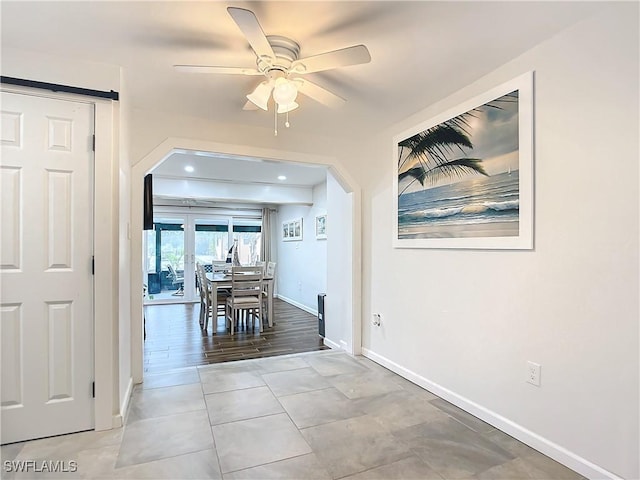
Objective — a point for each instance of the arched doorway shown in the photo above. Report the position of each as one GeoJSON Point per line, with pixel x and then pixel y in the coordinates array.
{"type": "Point", "coordinates": [343, 278]}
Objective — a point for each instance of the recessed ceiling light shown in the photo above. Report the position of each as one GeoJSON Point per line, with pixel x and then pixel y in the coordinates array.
{"type": "Point", "coordinates": [281, 177]}
{"type": "Point", "coordinates": [188, 168]}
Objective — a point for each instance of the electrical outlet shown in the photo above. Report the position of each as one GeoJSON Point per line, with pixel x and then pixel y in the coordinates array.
{"type": "Point", "coordinates": [533, 373]}
{"type": "Point", "coordinates": [377, 319]}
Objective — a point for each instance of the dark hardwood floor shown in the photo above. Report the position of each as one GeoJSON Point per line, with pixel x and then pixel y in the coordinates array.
{"type": "Point", "coordinates": [175, 339]}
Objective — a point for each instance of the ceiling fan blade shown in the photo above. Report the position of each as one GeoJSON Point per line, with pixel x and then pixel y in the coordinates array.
{"type": "Point", "coordinates": [260, 96]}
{"type": "Point", "coordinates": [250, 27]}
{"type": "Point", "coordinates": [214, 69]}
{"type": "Point", "coordinates": [338, 58]}
{"type": "Point", "coordinates": [318, 93]}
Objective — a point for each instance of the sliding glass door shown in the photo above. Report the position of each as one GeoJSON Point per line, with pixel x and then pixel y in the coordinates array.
{"type": "Point", "coordinates": [178, 242]}
{"type": "Point", "coordinates": [167, 260]}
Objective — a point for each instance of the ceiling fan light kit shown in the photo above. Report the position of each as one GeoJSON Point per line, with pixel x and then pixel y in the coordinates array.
{"type": "Point", "coordinates": [260, 96]}
{"type": "Point", "coordinates": [277, 59]}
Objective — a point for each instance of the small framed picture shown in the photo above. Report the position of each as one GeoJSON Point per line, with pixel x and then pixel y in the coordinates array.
{"type": "Point", "coordinates": [321, 227]}
{"type": "Point", "coordinates": [292, 230]}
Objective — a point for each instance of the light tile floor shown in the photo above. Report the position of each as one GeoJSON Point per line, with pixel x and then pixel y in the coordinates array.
{"type": "Point", "coordinates": [320, 415]}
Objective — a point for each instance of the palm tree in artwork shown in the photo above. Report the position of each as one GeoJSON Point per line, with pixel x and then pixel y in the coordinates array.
{"type": "Point", "coordinates": [423, 157]}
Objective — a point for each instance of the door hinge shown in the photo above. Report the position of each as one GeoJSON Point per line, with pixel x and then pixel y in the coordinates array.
{"type": "Point", "coordinates": [93, 265]}
{"type": "Point", "coordinates": [93, 389]}
{"type": "Point", "coordinates": [93, 143]}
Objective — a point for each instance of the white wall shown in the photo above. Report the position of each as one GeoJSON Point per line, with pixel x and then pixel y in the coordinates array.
{"type": "Point", "coordinates": [64, 71]}
{"type": "Point", "coordinates": [302, 265]}
{"type": "Point", "coordinates": [466, 322]}
{"type": "Point", "coordinates": [153, 127]}
{"type": "Point", "coordinates": [340, 298]}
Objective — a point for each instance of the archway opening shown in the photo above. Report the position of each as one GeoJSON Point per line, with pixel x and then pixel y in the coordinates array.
{"type": "Point", "coordinates": [343, 208]}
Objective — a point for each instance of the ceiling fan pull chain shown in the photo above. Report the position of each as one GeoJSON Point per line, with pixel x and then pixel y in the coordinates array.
{"type": "Point", "coordinates": [275, 122]}
{"type": "Point", "coordinates": [286, 123]}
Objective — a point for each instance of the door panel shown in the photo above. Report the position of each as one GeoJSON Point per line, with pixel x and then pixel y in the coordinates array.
{"type": "Point", "coordinates": [47, 284]}
{"type": "Point", "coordinates": [11, 218]}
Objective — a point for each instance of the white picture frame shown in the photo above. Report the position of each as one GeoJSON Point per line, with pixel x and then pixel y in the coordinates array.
{"type": "Point", "coordinates": [292, 230]}
{"type": "Point", "coordinates": [440, 197]}
{"type": "Point", "coordinates": [321, 227]}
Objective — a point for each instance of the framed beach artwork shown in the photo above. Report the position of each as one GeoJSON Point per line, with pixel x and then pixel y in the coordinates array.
{"type": "Point", "coordinates": [321, 227]}
{"type": "Point", "coordinates": [464, 179]}
{"type": "Point", "coordinates": [292, 230]}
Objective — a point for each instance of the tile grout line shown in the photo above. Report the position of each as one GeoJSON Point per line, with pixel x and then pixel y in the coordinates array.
{"type": "Point", "coordinates": [213, 438]}
{"type": "Point", "coordinates": [285, 410]}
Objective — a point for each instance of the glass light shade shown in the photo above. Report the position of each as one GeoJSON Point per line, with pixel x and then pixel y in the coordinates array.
{"type": "Point", "coordinates": [260, 96]}
{"type": "Point", "coordinates": [284, 92]}
{"type": "Point", "coordinates": [287, 108]}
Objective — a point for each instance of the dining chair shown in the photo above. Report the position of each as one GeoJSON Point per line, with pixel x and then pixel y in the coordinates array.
{"type": "Point", "coordinates": [269, 272]}
{"type": "Point", "coordinates": [220, 266]}
{"type": "Point", "coordinates": [271, 269]}
{"type": "Point", "coordinates": [214, 299]}
{"type": "Point", "coordinates": [246, 296]}
{"type": "Point", "coordinates": [219, 298]}
{"type": "Point", "coordinates": [203, 290]}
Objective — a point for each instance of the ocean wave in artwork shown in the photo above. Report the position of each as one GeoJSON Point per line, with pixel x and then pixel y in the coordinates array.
{"type": "Point", "coordinates": [472, 209]}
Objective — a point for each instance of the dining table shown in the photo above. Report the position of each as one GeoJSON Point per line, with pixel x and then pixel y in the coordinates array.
{"type": "Point", "coordinates": [223, 280]}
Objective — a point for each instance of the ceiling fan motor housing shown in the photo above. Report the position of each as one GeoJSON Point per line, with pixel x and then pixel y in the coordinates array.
{"type": "Point", "coordinates": [286, 51]}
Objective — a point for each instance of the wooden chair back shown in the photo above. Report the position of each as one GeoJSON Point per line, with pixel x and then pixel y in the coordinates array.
{"type": "Point", "coordinates": [246, 282]}
{"type": "Point", "coordinates": [271, 269]}
{"type": "Point", "coordinates": [219, 266]}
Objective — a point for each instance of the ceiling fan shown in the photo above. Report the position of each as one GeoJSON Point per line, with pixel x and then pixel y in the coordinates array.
{"type": "Point", "coordinates": [277, 60]}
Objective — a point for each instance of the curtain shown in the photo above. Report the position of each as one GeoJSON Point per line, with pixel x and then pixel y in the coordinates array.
{"type": "Point", "coordinates": [265, 252]}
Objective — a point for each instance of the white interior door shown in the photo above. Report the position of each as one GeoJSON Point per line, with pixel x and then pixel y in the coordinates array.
{"type": "Point", "coordinates": [46, 266]}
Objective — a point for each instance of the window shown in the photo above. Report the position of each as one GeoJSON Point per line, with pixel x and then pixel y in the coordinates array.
{"type": "Point", "coordinates": [247, 233]}
{"type": "Point", "coordinates": [211, 241]}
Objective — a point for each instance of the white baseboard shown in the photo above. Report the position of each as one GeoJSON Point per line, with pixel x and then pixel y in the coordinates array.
{"type": "Point", "coordinates": [118, 420]}
{"type": "Point", "coordinates": [558, 453]}
{"type": "Point", "coordinates": [331, 344]}
{"type": "Point", "coordinates": [297, 304]}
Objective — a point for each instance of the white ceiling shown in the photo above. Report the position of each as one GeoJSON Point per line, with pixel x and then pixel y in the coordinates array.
{"type": "Point", "coordinates": [238, 169]}
{"type": "Point", "coordinates": [421, 51]}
